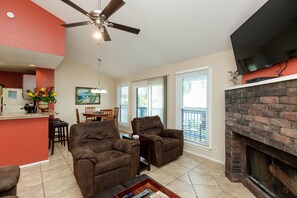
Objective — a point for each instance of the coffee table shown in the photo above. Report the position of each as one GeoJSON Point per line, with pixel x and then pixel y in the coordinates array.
{"type": "Point", "coordinates": [136, 185]}
{"type": "Point", "coordinates": [145, 152]}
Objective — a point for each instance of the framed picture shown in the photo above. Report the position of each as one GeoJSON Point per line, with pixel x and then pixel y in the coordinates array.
{"type": "Point", "coordinates": [84, 96]}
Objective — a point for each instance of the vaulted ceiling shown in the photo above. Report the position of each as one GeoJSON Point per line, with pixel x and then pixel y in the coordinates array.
{"type": "Point", "coordinates": [171, 31]}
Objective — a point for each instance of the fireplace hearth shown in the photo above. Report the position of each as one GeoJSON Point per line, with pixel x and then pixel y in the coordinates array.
{"type": "Point", "coordinates": [261, 138]}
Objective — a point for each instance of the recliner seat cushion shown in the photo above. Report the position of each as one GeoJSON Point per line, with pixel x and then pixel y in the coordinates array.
{"type": "Point", "coordinates": [169, 143]}
{"type": "Point", "coordinates": [110, 160]}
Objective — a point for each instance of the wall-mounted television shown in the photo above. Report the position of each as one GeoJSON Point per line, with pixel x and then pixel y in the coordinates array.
{"type": "Point", "coordinates": [268, 37]}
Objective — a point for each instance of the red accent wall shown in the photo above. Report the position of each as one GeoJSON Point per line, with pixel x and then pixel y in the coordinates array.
{"type": "Point", "coordinates": [273, 70]}
{"type": "Point", "coordinates": [45, 78]}
{"type": "Point", "coordinates": [11, 79]}
{"type": "Point", "coordinates": [23, 141]}
{"type": "Point", "coordinates": [32, 28]}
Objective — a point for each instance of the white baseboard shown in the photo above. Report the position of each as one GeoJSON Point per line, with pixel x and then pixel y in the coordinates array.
{"type": "Point", "coordinates": [35, 163]}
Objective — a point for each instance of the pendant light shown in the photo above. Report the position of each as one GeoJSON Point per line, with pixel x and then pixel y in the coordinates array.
{"type": "Point", "coordinates": [99, 89]}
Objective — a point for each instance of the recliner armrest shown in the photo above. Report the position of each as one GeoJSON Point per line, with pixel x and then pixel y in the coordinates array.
{"type": "Point", "coordinates": [175, 133]}
{"type": "Point", "coordinates": [125, 145]}
{"type": "Point", "coordinates": [80, 153]}
{"type": "Point", "coordinates": [153, 138]}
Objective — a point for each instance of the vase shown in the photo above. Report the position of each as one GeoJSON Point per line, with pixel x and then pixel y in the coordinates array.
{"type": "Point", "coordinates": [43, 106]}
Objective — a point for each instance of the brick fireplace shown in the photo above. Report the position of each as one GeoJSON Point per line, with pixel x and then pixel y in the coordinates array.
{"type": "Point", "coordinates": [261, 122]}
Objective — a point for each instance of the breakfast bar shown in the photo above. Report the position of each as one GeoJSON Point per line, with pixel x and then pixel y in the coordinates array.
{"type": "Point", "coordinates": [23, 139]}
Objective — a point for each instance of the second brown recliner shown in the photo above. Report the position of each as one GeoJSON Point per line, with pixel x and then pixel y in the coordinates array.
{"type": "Point", "coordinates": [100, 158]}
{"type": "Point", "coordinates": [166, 144]}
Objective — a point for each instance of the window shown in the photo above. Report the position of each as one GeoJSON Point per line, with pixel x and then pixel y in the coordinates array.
{"type": "Point", "coordinates": [123, 103]}
{"type": "Point", "coordinates": [193, 106]}
{"type": "Point", "coordinates": [150, 98]}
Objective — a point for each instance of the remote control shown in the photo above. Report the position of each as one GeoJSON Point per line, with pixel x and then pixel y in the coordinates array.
{"type": "Point", "coordinates": [141, 194]}
{"type": "Point", "coordinates": [130, 194]}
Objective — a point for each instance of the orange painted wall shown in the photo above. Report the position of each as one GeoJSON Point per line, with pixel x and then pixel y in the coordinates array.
{"type": "Point", "coordinates": [32, 28]}
{"type": "Point", "coordinates": [23, 141]}
{"type": "Point", "coordinates": [45, 78]}
{"type": "Point", "coordinates": [272, 71]}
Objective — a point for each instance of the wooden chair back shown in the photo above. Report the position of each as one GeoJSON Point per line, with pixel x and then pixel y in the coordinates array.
{"type": "Point", "coordinates": [115, 116]}
{"type": "Point", "coordinates": [108, 113]}
{"type": "Point", "coordinates": [77, 116]}
{"type": "Point", "coordinates": [90, 109]}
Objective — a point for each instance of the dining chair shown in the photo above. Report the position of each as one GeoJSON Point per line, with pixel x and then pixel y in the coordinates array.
{"type": "Point", "coordinates": [108, 113]}
{"type": "Point", "coordinates": [78, 121]}
{"type": "Point", "coordinates": [115, 116]}
{"type": "Point", "coordinates": [90, 110]}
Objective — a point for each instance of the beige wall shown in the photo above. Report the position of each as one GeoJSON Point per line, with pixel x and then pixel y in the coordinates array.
{"type": "Point", "coordinates": [69, 75]}
{"type": "Point", "coordinates": [220, 64]}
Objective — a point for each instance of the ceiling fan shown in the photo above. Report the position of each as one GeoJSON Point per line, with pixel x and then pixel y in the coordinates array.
{"type": "Point", "coordinates": [100, 18]}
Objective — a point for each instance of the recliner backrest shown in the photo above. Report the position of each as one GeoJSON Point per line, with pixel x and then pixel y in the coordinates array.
{"type": "Point", "coordinates": [147, 125]}
{"type": "Point", "coordinates": [96, 136]}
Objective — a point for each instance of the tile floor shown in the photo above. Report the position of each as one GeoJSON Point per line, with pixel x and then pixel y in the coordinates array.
{"type": "Point", "coordinates": [189, 176]}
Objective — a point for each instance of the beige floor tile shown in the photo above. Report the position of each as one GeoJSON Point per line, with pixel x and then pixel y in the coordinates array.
{"type": "Point", "coordinates": [30, 170]}
{"type": "Point", "coordinates": [186, 178]}
{"type": "Point", "coordinates": [195, 157]}
{"type": "Point", "coordinates": [214, 164]}
{"type": "Point", "coordinates": [207, 191]}
{"type": "Point", "coordinates": [34, 192]}
{"type": "Point", "coordinates": [187, 162]}
{"type": "Point", "coordinates": [55, 156]}
{"type": "Point", "coordinates": [59, 185]}
{"type": "Point", "coordinates": [221, 179]}
{"type": "Point", "coordinates": [27, 182]}
{"type": "Point", "coordinates": [202, 180]}
{"type": "Point", "coordinates": [162, 177]}
{"type": "Point", "coordinates": [225, 195]}
{"type": "Point", "coordinates": [64, 149]}
{"type": "Point", "coordinates": [236, 190]}
{"type": "Point", "coordinates": [175, 169]}
{"type": "Point", "coordinates": [53, 164]}
{"type": "Point", "coordinates": [55, 173]}
{"type": "Point", "coordinates": [182, 189]}
{"type": "Point", "coordinates": [153, 168]}
{"type": "Point", "coordinates": [71, 193]}
{"type": "Point", "coordinates": [207, 170]}
{"type": "Point", "coordinates": [71, 167]}
{"type": "Point", "coordinates": [68, 157]}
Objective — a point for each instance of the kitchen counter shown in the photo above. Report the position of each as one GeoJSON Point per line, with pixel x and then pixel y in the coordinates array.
{"type": "Point", "coordinates": [13, 116]}
{"type": "Point", "coordinates": [24, 138]}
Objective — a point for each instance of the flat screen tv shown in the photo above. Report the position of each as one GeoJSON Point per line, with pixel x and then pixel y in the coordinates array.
{"type": "Point", "coordinates": [266, 38]}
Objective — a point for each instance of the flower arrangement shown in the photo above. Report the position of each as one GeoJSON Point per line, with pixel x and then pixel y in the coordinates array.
{"type": "Point", "coordinates": [43, 94]}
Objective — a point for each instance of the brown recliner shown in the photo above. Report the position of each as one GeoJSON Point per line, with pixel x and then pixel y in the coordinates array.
{"type": "Point", "coordinates": [166, 144]}
{"type": "Point", "coordinates": [100, 158]}
{"type": "Point", "coordinates": [9, 177]}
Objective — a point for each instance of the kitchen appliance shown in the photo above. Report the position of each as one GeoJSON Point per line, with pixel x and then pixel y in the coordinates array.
{"type": "Point", "coordinates": [11, 101]}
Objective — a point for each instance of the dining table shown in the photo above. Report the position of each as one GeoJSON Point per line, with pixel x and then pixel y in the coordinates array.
{"type": "Point", "coordinates": [97, 115]}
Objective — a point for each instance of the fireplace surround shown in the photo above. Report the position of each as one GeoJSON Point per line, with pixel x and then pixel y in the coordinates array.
{"type": "Point", "coordinates": [262, 117]}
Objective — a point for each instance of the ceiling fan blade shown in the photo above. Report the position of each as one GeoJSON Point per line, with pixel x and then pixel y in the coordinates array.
{"type": "Point", "coordinates": [68, 25]}
{"type": "Point", "coordinates": [111, 8]}
{"type": "Point", "coordinates": [105, 34]}
{"type": "Point", "coordinates": [73, 5]}
{"type": "Point", "coordinates": [124, 28]}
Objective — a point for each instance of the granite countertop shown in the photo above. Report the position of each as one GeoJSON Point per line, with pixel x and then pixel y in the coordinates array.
{"type": "Point", "coordinates": [13, 116]}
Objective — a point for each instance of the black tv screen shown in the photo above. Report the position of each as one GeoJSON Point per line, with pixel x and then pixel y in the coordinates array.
{"type": "Point", "coordinates": [266, 38]}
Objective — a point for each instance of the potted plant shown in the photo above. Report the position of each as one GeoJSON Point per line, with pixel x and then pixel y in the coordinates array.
{"type": "Point", "coordinates": [44, 96]}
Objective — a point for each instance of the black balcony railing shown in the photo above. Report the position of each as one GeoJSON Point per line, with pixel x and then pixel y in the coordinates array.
{"type": "Point", "coordinates": [194, 125]}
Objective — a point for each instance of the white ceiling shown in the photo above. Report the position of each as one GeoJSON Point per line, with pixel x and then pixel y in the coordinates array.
{"type": "Point", "coordinates": [171, 31]}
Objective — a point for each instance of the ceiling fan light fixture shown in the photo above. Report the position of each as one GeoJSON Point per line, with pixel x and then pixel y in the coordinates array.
{"type": "Point", "coordinates": [97, 35]}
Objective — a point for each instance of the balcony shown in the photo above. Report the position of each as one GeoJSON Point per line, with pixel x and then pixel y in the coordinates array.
{"type": "Point", "coordinates": [194, 125]}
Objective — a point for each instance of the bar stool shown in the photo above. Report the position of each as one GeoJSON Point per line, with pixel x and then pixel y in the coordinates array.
{"type": "Point", "coordinates": [58, 133]}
